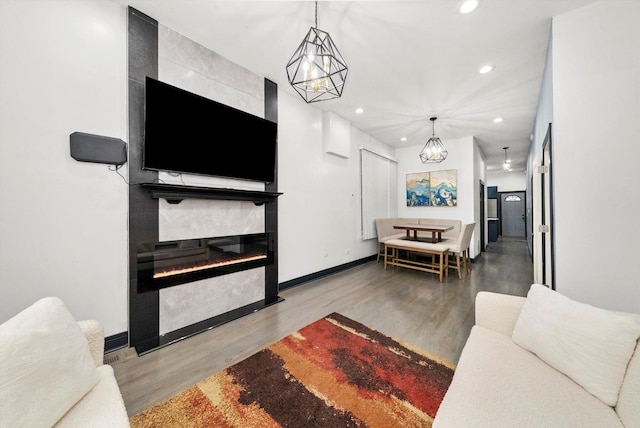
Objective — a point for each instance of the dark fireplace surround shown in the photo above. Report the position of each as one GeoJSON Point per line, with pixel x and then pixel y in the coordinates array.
{"type": "Point", "coordinates": [238, 252]}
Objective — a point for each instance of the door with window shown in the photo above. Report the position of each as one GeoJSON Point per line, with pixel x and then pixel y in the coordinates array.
{"type": "Point", "coordinates": [513, 219]}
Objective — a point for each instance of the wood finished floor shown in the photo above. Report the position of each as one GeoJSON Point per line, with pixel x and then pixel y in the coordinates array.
{"type": "Point", "coordinates": [408, 305]}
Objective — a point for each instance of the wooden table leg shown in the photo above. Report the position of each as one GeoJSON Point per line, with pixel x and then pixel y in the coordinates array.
{"type": "Point", "coordinates": [386, 251]}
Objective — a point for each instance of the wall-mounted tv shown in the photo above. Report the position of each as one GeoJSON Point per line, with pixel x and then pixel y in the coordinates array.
{"type": "Point", "coordinates": [188, 133]}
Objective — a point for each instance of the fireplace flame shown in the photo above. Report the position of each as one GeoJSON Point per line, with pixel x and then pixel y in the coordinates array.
{"type": "Point", "coordinates": [180, 271]}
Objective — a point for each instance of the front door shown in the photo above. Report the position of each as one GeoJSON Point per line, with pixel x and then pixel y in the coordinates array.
{"type": "Point", "coordinates": [513, 218]}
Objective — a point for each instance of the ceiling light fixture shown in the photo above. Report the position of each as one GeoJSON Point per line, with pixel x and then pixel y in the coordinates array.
{"type": "Point", "coordinates": [468, 6]}
{"type": "Point", "coordinates": [359, 110]}
{"type": "Point", "coordinates": [316, 70]}
{"type": "Point", "coordinates": [433, 151]}
{"type": "Point", "coordinates": [507, 163]}
{"type": "Point", "coordinates": [485, 69]}
{"type": "Point", "coordinates": [498, 120]}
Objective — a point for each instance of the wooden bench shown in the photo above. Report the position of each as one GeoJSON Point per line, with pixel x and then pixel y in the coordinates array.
{"type": "Point", "coordinates": [439, 253]}
{"type": "Point", "coordinates": [385, 230]}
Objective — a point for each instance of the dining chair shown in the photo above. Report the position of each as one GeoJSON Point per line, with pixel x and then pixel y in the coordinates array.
{"type": "Point", "coordinates": [380, 231]}
{"type": "Point", "coordinates": [459, 249]}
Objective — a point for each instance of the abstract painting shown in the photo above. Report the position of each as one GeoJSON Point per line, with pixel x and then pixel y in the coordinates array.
{"type": "Point", "coordinates": [434, 188]}
{"type": "Point", "coordinates": [418, 189]}
{"type": "Point", "coordinates": [444, 188]}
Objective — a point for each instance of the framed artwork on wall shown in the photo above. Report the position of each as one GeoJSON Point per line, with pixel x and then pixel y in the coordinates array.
{"type": "Point", "coordinates": [433, 188]}
{"type": "Point", "coordinates": [418, 189]}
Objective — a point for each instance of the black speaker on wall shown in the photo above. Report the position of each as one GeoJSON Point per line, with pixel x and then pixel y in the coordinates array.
{"type": "Point", "coordinates": [98, 149]}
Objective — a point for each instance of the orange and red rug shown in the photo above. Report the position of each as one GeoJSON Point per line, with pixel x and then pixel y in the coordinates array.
{"type": "Point", "coordinates": [334, 372]}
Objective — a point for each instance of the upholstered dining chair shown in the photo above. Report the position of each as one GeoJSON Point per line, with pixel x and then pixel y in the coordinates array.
{"type": "Point", "coordinates": [459, 249]}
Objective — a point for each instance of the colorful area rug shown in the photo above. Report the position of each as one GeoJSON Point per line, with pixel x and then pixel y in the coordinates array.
{"type": "Point", "coordinates": [334, 372]}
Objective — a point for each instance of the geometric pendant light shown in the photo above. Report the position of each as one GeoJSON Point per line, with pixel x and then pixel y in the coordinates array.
{"type": "Point", "coordinates": [316, 70]}
{"type": "Point", "coordinates": [433, 151]}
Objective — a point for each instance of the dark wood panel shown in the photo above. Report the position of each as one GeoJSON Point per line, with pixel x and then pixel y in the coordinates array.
{"type": "Point", "coordinates": [144, 309]}
{"type": "Point", "coordinates": [271, 208]}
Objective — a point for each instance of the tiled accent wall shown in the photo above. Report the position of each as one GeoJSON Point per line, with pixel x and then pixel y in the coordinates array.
{"type": "Point", "coordinates": [190, 66]}
{"type": "Point", "coordinates": [160, 317]}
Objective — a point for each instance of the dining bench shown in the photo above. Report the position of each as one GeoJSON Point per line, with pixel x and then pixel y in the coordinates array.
{"type": "Point", "coordinates": [385, 230]}
{"type": "Point", "coordinates": [401, 252]}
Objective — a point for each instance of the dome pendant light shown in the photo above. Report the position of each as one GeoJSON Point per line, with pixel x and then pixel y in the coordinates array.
{"type": "Point", "coordinates": [316, 70]}
{"type": "Point", "coordinates": [433, 151]}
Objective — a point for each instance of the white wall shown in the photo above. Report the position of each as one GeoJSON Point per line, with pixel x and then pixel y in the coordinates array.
{"type": "Point", "coordinates": [596, 87]}
{"type": "Point", "coordinates": [319, 211]}
{"type": "Point", "coordinates": [544, 116]}
{"type": "Point", "coordinates": [461, 157]}
{"type": "Point", "coordinates": [63, 223]}
{"type": "Point", "coordinates": [507, 181]}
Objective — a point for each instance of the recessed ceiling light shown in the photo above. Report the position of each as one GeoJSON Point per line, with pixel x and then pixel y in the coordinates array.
{"type": "Point", "coordinates": [359, 110]}
{"type": "Point", "coordinates": [497, 120]}
{"type": "Point", "coordinates": [403, 139]}
{"type": "Point", "coordinates": [485, 69]}
{"type": "Point", "coordinates": [468, 6]}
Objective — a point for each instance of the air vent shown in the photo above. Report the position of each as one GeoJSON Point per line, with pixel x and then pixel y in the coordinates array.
{"type": "Point", "coordinates": [110, 359]}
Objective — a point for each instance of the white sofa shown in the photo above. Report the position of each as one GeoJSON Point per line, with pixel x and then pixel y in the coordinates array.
{"type": "Point", "coordinates": [52, 371]}
{"type": "Point", "coordinates": [498, 383]}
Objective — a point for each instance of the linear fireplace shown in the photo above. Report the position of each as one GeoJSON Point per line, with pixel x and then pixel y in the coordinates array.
{"type": "Point", "coordinates": [169, 263]}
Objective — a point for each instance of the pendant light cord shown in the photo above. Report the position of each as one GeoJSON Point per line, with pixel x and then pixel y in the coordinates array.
{"type": "Point", "coordinates": [316, 15]}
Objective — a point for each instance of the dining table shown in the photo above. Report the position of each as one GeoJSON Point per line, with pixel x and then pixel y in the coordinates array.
{"type": "Point", "coordinates": [436, 230]}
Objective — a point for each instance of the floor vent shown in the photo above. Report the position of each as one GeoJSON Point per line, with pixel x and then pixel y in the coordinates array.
{"type": "Point", "coordinates": [111, 359]}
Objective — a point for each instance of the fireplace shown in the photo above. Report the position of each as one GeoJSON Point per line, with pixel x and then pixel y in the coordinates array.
{"type": "Point", "coordinates": [168, 263]}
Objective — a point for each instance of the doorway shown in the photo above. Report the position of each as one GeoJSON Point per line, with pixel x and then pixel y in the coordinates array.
{"type": "Point", "coordinates": [482, 216]}
{"type": "Point", "coordinates": [512, 217]}
{"type": "Point", "coordinates": [548, 256]}
{"type": "Point", "coordinates": [543, 216]}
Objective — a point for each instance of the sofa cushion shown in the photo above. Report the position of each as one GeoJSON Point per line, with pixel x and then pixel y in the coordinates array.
{"type": "Point", "coordinates": [592, 346]}
{"type": "Point", "coordinates": [390, 237]}
{"type": "Point", "coordinates": [46, 365]}
{"type": "Point", "coordinates": [102, 407]}
{"type": "Point", "coordinates": [499, 384]}
{"type": "Point", "coordinates": [627, 408]}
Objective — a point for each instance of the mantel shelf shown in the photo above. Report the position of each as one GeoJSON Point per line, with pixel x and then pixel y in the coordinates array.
{"type": "Point", "coordinates": [174, 193]}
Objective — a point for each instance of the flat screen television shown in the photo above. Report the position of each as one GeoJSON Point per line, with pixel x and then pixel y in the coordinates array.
{"type": "Point", "coordinates": [188, 133]}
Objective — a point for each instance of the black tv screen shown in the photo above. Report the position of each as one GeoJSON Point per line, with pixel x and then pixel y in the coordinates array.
{"type": "Point", "coordinates": [188, 133]}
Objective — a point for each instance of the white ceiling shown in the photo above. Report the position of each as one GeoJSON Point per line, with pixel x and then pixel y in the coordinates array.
{"type": "Point", "coordinates": [407, 60]}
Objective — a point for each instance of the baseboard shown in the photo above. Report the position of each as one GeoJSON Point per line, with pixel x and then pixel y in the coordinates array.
{"type": "Point", "coordinates": [116, 341]}
{"type": "Point", "coordinates": [301, 280]}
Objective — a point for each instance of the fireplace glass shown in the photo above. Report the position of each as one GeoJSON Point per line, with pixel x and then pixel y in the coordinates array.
{"type": "Point", "coordinates": [169, 263]}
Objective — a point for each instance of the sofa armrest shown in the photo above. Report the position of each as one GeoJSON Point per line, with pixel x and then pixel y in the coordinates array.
{"type": "Point", "coordinates": [498, 312]}
{"type": "Point", "coordinates": [95, 336]}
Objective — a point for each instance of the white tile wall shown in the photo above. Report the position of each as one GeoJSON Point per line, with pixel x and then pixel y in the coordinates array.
{"type": "Point", "coordinates": [190, 66]}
